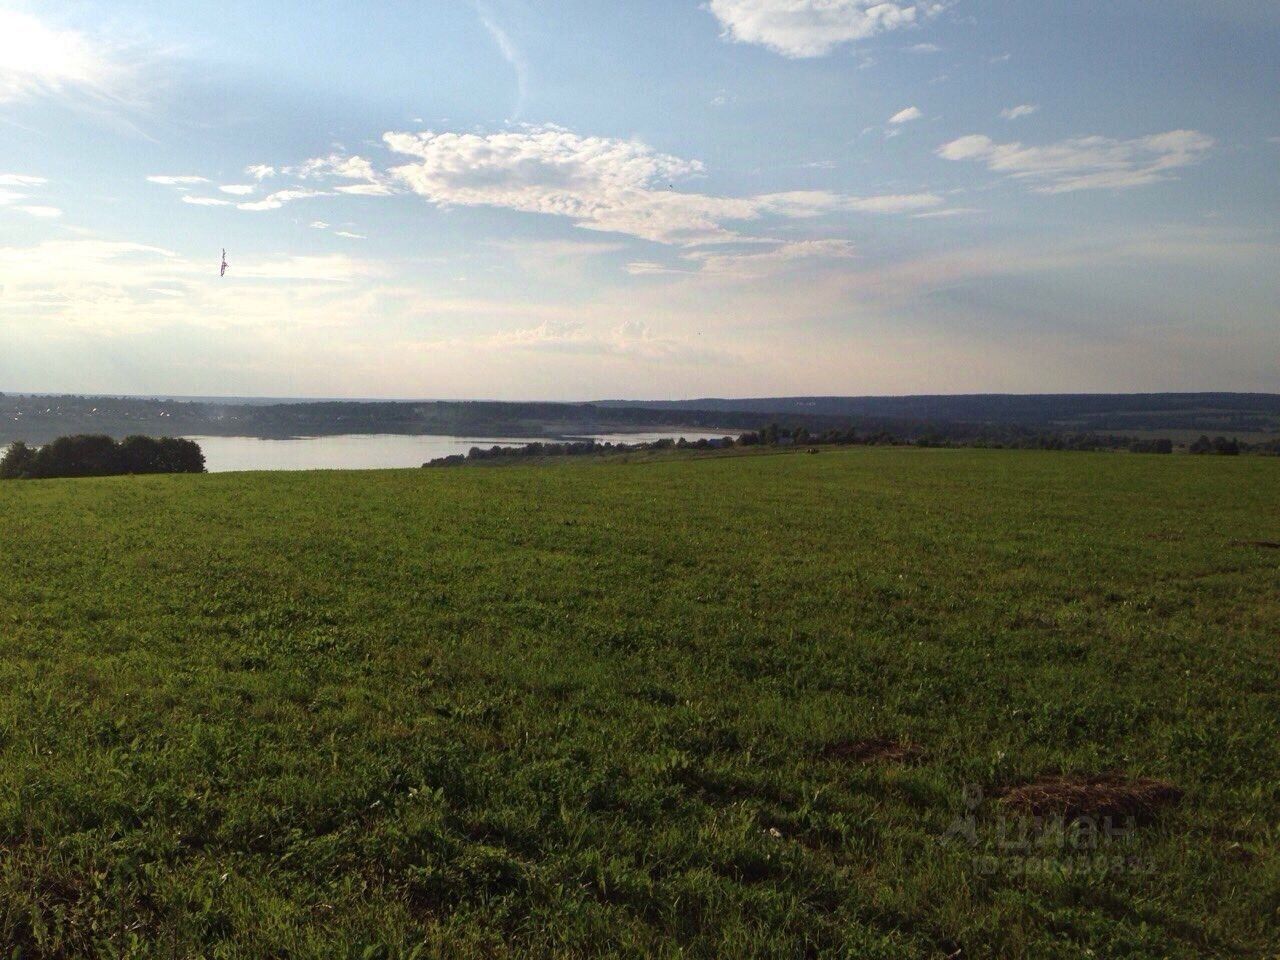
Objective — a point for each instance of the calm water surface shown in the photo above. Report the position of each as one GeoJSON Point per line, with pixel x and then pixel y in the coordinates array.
{"type": "Point", "coordinates": [371, 451]}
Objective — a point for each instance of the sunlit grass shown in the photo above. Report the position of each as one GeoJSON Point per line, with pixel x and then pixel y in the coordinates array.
{"type": "Point", "coordinates": [605, 707]}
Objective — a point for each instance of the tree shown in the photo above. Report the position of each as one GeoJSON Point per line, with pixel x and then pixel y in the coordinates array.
{"type": "Point", "coordinates": [100, 456]}
{"type": "Point", "coordinates": [17, 462]}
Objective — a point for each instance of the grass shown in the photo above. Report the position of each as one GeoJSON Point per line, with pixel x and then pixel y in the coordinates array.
{"type": "Point", "coordinates": [755, 706]}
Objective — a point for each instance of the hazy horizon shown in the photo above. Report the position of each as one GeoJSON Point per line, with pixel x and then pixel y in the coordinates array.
{"type": "Point", "coordinates": [678, 199]}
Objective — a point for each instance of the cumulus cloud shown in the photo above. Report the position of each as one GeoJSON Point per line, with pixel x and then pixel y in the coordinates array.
{"type": "Point", "coordinates": [812, 28]}
{"type": "Point", "coordinates": [336, 166]}
{"type": "Point", "coordinates": [600, 183]}
{"type": "Point", "coordinates": [260, 171]}
{"type": "Point", "coordinates": [906, 116]}
{"type": "Point", "coordinates": [620, 186]}
{"type": "Point", "coordinates": [1085, 163]}
{"type": "Point", "coordinates": [1021, 110]}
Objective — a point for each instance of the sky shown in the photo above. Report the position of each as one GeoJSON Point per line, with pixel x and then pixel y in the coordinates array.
{"type": "Point", "coordinates": [570, 199]}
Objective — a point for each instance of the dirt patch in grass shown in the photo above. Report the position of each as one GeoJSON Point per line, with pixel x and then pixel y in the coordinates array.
{"type": "Point", "coordinates": [874, 750]}
{"type": "Point", "coordinates": [1101, 795]}
{"type": "Point", "coordinates": [1259, 544]}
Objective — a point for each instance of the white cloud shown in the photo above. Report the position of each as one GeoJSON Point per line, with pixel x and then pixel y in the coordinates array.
{"type": "Point", "coordinates": [365, 189]}
{"type": "Point", "coordinates": [332, 268]}
{"type": "Point", "coordinates": [943, 214]}
{"type": "Point", "coordinates": [260, 171]}
{"type": "Point", "coordinates": [1085, 163]}
{"type": "Point", "coordinates": [629, 338]}
{"type": "Point", "coordinates": [349, 235]}
{"type": "Point", "coordinates": [620, 186]}
{"type": "Point", "coordinates": [205, 201]}
{"type": "Point", "coordinates": [906, 116]}
{"type": "Point", "coordinates": [758, 263]}
{"type": "Point", "coordinates": [238, 189]}
{"type": "Point", "coordinates": [37, 59]}
{"type": "Point", "coordinates": [319, 225]}
{"type": "Point", "coordinates": [180, 181]}
{"type": "Point", "coordinates": [19, 180]}
{"type": "Point", "coordinates": [650, 268]}
{"type": "Point", "coordinates": [601, 184]}
{"type": "Point", "coordinates": [101, 289]}
{"type": "Point", "coordinates": [510, 52]}
{"type": "Point", "coordinates": [925, 48]}
{"type": "Point", "coordinates": [895, 203]}
{"type": "Point", "coordinates": [337, 166]}
{"type": "Point", "coordinates": [812, 28]}
{"type": "Point", "coordinates": [1022, 110]}
{"type": "Point", "coordinates": [45, 213]}
{"type": "Point", "coordinates": [278, 199]}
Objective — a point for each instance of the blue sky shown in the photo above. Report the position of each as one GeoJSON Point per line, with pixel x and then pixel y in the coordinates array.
{"type": "Point", "coordinates": [572, 199]}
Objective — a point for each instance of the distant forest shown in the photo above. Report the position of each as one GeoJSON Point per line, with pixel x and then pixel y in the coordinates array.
{"type": "Point", "coordinates": [992, 419]}
{"type": "Point", "coordinates": [1229, 413]}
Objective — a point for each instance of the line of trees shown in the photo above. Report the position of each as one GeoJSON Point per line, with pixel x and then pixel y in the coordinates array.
{"type": "Point", "coordinates": [1219, 445]}
{"type": "Point", "coordinates": [774, 435]}
{"type": "Point", "coordinates": [97, 455]}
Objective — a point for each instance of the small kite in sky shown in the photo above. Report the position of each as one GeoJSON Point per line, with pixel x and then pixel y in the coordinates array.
{"type": "Point", "coordinates": [223, 271]}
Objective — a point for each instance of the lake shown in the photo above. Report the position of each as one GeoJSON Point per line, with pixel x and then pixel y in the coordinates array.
{"type": "Point", "coordinates": [374, 451]}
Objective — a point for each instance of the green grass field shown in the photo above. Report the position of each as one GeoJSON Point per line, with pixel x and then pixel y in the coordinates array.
{"type": "Point", "coordinates": [713, 707]}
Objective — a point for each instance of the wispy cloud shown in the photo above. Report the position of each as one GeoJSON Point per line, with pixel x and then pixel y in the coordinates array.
{"type": "Point", "coordinates": [43, 212]}
{"type": "Point", "coordinates": [21, 180]}
{"type": "Point", "coordinates": [275, 201]}
{"type": "Point", "coordinates": [906, 116]}
{"type": "Point", "coordinates": [1085, 163]}
{"type": "Point", "coordinates": [37, 59]}
{"type": "Point", "coordinates": [1022, 110]}
{"type": "Point", "coordinates": [510, 52]}
{"type": "Point", "coordinates": [166, 180]}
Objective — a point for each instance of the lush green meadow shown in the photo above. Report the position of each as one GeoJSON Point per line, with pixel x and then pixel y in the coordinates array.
{"type": "Point", "coordinates": [720, 706]}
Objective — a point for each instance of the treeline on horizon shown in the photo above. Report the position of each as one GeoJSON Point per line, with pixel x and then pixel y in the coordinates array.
{"type": "Point", "coordinates": [38, 419]}
{"type": "Point", "coordinates": [1098, 413]}
{"type": "Point", "coordinates": [101, 456]}
{"type": "Point", "coordinates": [774, 435]}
